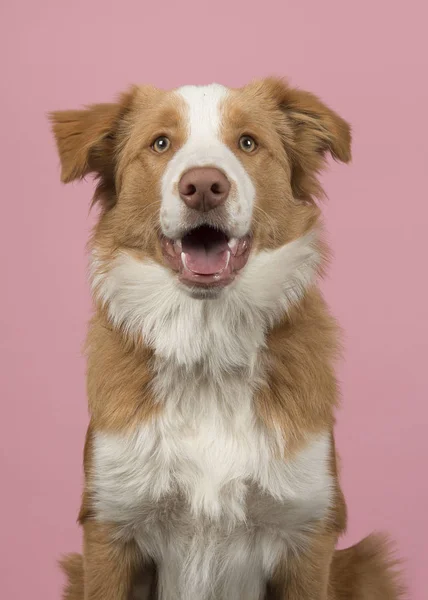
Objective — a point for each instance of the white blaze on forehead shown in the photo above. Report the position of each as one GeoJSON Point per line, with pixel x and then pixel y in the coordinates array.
{"type": "Point", "coordinates": [203, 118]}
{"type": "Point", "coordinates": [204, 109]}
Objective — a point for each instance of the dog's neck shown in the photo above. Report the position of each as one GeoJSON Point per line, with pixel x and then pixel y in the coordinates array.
{"type": "Point", "coordinates": [207, 336]}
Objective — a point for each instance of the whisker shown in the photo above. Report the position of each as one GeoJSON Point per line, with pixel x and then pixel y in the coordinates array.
{"type": "Point", "coordinates": [271, 223]}
{"type": "Point", "coordinates": [145, 208]}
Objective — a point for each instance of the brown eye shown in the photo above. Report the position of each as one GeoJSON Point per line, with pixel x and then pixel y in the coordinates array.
{"type": "Point", "coordinates": [247, 143]}
{"type": "Point", "coordinates": [161, 144]}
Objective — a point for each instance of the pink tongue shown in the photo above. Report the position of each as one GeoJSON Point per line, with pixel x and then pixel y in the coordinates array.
{"type": "Point", "coordinates": [206, 260]}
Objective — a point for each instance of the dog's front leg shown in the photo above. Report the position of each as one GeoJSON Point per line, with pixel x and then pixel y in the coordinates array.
{"type": "Point", "coordinates": [110, 566]}
{"type": "Point", "coordinates": [304, 575]}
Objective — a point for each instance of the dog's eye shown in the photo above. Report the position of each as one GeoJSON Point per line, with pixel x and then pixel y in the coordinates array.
{"type": "Point", "coordinates": [247, 143]}
{"type": "Point", "coordinates": [161, 144]}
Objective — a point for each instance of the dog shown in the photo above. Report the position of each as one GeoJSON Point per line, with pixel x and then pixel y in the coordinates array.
{"type": "Point", "coordinates": [210, 463]}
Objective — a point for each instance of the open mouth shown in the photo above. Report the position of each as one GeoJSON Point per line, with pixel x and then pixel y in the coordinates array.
{"type": "Point", "coordinates": [206, 256]}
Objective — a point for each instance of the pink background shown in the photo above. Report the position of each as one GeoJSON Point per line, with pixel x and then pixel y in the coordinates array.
{"type": "Point", "coordinates": [369, 61]}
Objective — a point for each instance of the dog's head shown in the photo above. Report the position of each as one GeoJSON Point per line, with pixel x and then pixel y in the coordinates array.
{"type": "Point", "coordinates": [201, 179]}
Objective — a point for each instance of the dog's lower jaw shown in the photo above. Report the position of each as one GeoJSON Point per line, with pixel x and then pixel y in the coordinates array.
{"type": "Point", "coordinates": [200, 292]}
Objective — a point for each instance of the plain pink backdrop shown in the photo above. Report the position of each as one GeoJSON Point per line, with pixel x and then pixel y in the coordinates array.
{"type": "Point", "coordinates": [366, 58]}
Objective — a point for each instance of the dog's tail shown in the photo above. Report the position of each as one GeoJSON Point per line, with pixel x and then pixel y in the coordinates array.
{"type": "Point", "coordinates": [72, 565]}
{"type": "Point", "coordinates": [366, 571]}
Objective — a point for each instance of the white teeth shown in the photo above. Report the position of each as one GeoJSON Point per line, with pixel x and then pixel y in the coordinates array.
{"type": "Point", "coordinates": [233, 244]}
{"type": "Point", "coordinates": [183, 260]}
{"type": "Point", "coordinates": [177, 244]}
{"type": "Point", "coordinates": [227, 262]}
{"type": "Point", "coordinates": [225, 266]}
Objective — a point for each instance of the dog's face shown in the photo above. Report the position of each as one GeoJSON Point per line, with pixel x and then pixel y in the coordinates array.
{"type": "Point", "coordinates": [200, 179]}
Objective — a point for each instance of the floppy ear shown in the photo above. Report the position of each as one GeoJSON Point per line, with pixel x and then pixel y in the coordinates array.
{"type": "Point", "coordinates": [316, 130]}
{"type": "Point", "coordinates": [86, 139]}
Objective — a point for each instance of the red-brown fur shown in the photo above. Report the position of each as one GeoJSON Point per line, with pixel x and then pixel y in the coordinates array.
{"type": "Point", "coordinates": [365, 571]}
{"type": "Point", "coordinates": [300, 395]}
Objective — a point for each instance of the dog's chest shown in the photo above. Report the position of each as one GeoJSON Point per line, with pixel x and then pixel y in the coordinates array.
{"type": "Point", "coordinates": [206, 494]}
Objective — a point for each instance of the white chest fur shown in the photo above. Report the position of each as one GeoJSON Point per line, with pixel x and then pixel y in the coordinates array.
{"type": "Point", "coordinates": [206, 495]}
{"type": "Point", "coordinates": [203, 487]}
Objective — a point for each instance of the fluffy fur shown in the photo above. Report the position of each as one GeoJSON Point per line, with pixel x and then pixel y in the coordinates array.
{"type": "Point", "coordinates": [210, 464]}
{"type": "Point", "coordinates": [365, 571]}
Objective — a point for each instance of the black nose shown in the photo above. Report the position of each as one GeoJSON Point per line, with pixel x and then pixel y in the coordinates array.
{"type": "Point", "coordinates": [204, 188]}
